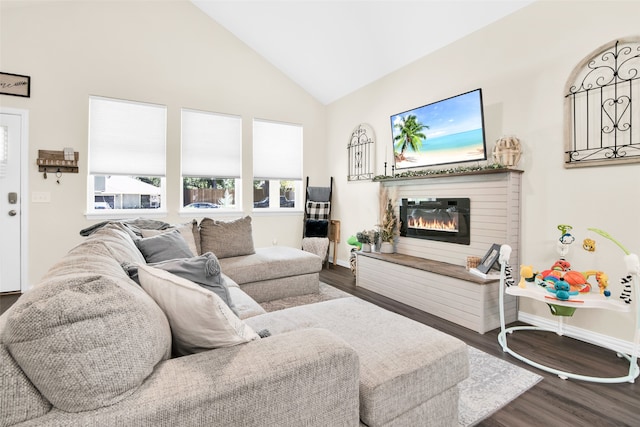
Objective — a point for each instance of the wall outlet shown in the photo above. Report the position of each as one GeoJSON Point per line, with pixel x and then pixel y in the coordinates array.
{"type": "Point", "coordinates": [41, 197]}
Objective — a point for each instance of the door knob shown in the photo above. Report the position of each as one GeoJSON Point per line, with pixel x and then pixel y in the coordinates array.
{"type": "Point", "coordinates": [12, 212]}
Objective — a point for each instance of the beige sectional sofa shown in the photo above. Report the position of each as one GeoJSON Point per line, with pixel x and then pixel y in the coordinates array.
{"type": "Point", "coordinates": [87, 346]}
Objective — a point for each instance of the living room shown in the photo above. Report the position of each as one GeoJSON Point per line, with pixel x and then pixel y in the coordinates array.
{"type": "Point", "coordinates": [171, 53]}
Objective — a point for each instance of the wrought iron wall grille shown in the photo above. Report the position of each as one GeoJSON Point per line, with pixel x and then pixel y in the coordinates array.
{"type": "Point", "coordinates": [602, 125]}
{"type": "Point", "coordinates": [360, 151]}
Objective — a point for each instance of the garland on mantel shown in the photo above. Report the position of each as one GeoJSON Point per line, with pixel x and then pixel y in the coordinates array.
{"type": "Point", "coordinates": [428, 172]}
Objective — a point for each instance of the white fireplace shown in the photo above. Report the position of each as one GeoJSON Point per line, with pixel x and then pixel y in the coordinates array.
{"type": "Point", "coordinates": [494, 205]}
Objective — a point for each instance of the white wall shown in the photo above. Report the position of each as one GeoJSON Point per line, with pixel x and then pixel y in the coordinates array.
{"type": "Point", "coordinates": [522, 64]}
{"type": "Point", "coordinates": [161, 52]}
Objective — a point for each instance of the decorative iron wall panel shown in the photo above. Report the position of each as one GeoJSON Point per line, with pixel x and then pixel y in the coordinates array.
{"type": "Point", "coordinates": [602, 121]}
{"type": "Point", "coordinates": [361, 153]}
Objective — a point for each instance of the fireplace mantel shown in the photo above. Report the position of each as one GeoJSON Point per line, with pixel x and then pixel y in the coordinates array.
{"type": "Point", "coordinates": [401, 177]}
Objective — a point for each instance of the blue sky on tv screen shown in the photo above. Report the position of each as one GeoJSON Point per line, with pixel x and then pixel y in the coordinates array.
{"type": "Point", "coordinates": [454, 115]}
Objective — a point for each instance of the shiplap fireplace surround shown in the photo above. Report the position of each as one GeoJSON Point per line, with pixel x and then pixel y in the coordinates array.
{"type": "Point", "coordinates": [431, 275]}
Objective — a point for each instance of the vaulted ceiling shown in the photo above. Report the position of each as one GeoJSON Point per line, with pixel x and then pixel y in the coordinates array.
{"type": "Point", "coordinates": [332, 48]}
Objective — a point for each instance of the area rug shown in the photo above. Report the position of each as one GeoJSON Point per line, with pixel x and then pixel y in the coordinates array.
{"type": "Point", "coordinates": [491, 385]}
{"type": "Point", "coordinates": [492, 382]}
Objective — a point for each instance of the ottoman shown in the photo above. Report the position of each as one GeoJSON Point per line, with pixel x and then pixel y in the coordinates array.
{"type": "Point", "coordinates": [408, 371]}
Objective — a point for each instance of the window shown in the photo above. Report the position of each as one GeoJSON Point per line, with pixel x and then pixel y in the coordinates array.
{"type": "Point", "coordinates": [277, 165]}
{"type": "Point", "coordinates": [126, 155]}
{"type": "Point", "coordinates": [211, 160]}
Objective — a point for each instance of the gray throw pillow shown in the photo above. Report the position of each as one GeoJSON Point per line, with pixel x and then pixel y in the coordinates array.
{"type": "Point", "coordinates": [227, 238]}
{"type": "Point", "coordinates": [203, 270]}
{"type": "Point", "coordinates": [164, 246]}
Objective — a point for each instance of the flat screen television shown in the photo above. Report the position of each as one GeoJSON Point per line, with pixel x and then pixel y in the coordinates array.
{"type": "Point", "coordinates": [444, 132]}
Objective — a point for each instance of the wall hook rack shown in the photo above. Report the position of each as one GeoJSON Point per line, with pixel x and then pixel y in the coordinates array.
{"type": "Point", "coordinates": [55, 161]}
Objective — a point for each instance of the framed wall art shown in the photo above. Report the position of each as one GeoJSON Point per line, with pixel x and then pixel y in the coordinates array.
{"type": "Point", "coordinates": [490, 259]}
{"type": "Point", "coordinates": [15, 84]}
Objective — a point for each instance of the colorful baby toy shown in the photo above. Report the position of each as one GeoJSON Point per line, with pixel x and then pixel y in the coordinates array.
{"type": "Point", "coordinates": [561, 290]}
{"type": "Point", "coordinates": [526, 275]}
{"type": "Point", "coordinates": [589, 245]}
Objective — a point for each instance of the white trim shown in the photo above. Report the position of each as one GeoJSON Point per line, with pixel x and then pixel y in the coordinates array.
{"type": "Point", "coordinates": [210, 213]}
{"type": "Point", "coordinates": [125, 214]}
{"type": "Point", "coordinates": [24, 193]}
{"type": "Point", "coordinates": [276, 212]}
{"type": "Point", "coordinates": [581, 334]}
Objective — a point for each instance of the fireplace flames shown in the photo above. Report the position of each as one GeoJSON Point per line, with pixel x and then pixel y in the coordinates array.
{"type": "Point", "coordinates": [433, 224]}
{"type": "Point", "coordinates": [443, 219]}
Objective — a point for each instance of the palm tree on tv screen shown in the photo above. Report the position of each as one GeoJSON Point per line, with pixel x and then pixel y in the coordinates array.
{"type": "Point", "coordinates": [410, 135]}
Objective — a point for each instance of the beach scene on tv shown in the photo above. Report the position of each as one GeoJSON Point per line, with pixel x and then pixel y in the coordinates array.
{"type": "Point", "coordinates": [447, 131]}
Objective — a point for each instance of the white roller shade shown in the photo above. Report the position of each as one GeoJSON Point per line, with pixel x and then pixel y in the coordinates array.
{"type": "Point", "coordinates": [211, 145]}
{"type": "Point", "coordinates": [126, 137]}
{"type": "Point", "coordinates": [277, 150]}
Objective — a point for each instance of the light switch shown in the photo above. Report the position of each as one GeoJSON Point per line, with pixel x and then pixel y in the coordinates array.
{"type": "Point", "coordinates": [41, 197]}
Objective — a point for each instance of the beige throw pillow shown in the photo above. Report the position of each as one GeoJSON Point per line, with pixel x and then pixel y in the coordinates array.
{"type": "Point", "coordinates": [199, 319]}
{"type": "Point", "coordinates": [226, 238]}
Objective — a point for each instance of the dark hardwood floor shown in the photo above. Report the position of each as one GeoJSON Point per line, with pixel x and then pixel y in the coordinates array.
{"type": "Point", "coordinates": [7, 300]}
{"type": "Point", "coordinates": [553, 401]}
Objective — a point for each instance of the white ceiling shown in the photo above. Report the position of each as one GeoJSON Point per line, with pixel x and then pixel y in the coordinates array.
{"type": "Point", "coordinates": [332, 48]}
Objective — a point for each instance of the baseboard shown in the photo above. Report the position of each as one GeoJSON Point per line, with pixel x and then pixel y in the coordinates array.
{"type": "Point", "coordinates": [601, 340]}
{"type": "Point", "coordinates": [340, 262]}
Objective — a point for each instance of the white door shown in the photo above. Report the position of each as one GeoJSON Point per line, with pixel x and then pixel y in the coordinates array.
{"type": "Point", "coordinates": [10, 202]}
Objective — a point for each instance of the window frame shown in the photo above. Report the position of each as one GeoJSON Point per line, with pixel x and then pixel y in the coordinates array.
{"type": "Point", "coordinates": [274, 206]}
{"type": "Point", "coordinates": [124, 213]}
{"type": "Point", "coordinates": [237, 208]}
{"type": "Point", "coordinates": [274, 182]}
{"type": "Point", "coordinates": [90, 211]}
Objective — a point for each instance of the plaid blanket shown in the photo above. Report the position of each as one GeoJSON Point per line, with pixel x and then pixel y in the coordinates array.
{"type": "Point", "coordinates": [318, 210]}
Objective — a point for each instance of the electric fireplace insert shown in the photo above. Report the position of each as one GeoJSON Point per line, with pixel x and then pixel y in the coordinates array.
{"type": "Point", "coordinates": [441, 219]}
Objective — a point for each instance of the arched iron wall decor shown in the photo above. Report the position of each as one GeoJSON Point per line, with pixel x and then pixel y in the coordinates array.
{"type": "Point", "coordinates": [601, 125]}
{"type": "Point", "coordinates": [360, 151]}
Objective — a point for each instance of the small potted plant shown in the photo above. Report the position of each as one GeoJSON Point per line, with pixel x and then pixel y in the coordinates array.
{"type": "Point", "coordinates": [364, 237]}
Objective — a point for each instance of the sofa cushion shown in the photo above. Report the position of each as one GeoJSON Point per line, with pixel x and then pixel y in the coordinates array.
{"type": "Point", "coordinates": [189, 231]}
{"type": "Point", "coordinates": [227, 238]}
{"type": "Point", "coordinates": [244, 304]}
{"type": "Point", "coordinates": [402, 362]}
{"type": "Point", "coordinates": [199, 319]}
{"type": "Point", "coordinates": [164, 246]}
{"type": "Point", "coordinates": [91, 257]}
{"type": "Point", "coordinates": [19, 399]}
{"type": "Point", "coordinates": [117, 239]}
{"type": "Point", "coordinates": [87, 342]}
{"type": "Point", "coordinates": [203, 270]}
{"type": "Point", "coordinates": [272, 262]}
